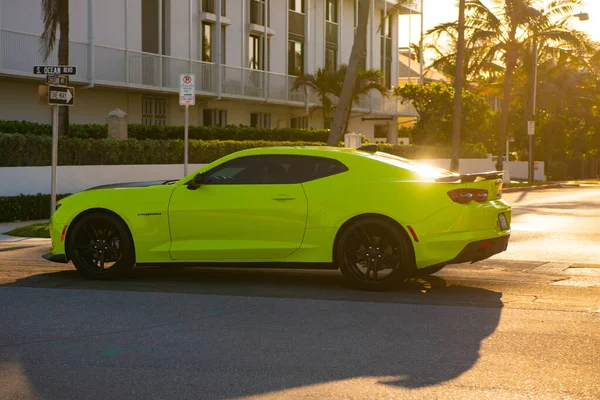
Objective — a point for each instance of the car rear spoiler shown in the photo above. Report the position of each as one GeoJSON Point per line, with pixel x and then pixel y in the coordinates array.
{"type": "Point", "coordinates": [486, 176]}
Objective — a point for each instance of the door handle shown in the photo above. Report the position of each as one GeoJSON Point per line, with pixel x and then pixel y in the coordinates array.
{"type": "Point", "coordinates": [281, 197]}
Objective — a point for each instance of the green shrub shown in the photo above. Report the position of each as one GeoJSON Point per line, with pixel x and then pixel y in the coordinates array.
{"type": "Point", "coordinates": [92, 131]}
{"type": "Point", "coordinates": [228, 133]}
{"type": "Point", "coordinates": [156, 132]}
{"type": "Point", "coordinates": [26, 207]}
{"type": "Point", "coordinates": [30, 150]}
{"type": "Point", "coordinates": [432, 152]}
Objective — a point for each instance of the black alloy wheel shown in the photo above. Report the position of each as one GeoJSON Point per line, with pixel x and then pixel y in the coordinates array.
{"type": "Point", "coordinates": [374, 254]}
{"type": "Point", "coordinates": [101, 247]}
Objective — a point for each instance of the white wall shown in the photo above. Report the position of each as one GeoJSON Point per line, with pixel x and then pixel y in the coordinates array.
{"type": "Point", "coordinates": [71, 179]}
{"type": "Point", "coordinates": [520, 170]}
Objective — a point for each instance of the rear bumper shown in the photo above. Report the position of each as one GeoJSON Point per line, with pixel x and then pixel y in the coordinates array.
{"type": "Point", "coordinates": [474, 251]}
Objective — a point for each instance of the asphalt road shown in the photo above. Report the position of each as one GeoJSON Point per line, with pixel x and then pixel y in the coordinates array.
{"type": "Point", "coordinates": [561, 225]}
{"type": "Point", "coordinates": [502, 328]}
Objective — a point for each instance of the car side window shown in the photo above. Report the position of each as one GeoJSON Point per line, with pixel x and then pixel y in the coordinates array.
{"type": "Point", "coordinates": [274, 169]}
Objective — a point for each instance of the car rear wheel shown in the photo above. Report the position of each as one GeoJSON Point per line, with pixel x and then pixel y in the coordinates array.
{"type": "Point", "coordinates": [101, 247]}
{"type": "Point", "coordinates": [374, 254]}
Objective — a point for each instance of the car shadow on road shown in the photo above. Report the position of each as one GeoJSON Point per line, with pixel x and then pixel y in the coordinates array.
{"type": "Point", "coordinates": [267, 282]}
{"type": "Point", "coordinates": [264, 342]}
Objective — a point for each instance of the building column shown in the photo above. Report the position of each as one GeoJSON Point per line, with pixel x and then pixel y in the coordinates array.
{"type": "Point", "coordinates": [392, 132]}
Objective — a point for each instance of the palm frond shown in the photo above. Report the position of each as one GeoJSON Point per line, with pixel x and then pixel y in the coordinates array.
{"type": "Point", "coordinates": [50, 12]}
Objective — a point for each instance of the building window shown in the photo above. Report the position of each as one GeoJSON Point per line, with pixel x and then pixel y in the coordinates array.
{"type": "Point", "coordinates": [295, 58]}
{"type": "Point", "coordinates": [380, 131]}
{"type": "Point", "coordinates": [299, 122]}
{"type": "Point", "coordinates": [331, 14]}
{"type": "Point", "coordinates": [257, 12]}
{"type": "Point", "coordinates": [331, 59]}
{"type": "Point", "coordinates": [214, 117]}
{"type": "Point", "coordinates": [297, 6]}
{"type": "Point", "coordinates": [386, 50]}
{"type": "Point", "coordinates": [208, 6]}
{"type": "Point", "coordinates": [154, 110]}
{"type": "Point", "coordinates": [260, 120]}
{"type": "Point", "coordinates": [223, 44]}
{"type": "Point", "coordinates": [206, 42]}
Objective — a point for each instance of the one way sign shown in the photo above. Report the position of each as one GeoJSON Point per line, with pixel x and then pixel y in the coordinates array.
{"type": "Point", "coordinates": [61, 95]}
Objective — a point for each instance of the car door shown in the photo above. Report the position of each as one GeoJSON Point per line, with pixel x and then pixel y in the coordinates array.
{"type": "Point", "coordinates": [247, 209]}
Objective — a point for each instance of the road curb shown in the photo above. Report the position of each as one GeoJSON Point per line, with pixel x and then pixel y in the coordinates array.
{"type": "Point", "coordinates": [540, 187]}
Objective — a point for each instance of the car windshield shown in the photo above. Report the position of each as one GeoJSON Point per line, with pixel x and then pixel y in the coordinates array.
{"type": "Point", "coordinates": [423, 170]}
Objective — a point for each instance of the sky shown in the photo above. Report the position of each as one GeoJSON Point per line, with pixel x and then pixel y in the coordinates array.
{"type": "Point", "coordinates": [436, 11]}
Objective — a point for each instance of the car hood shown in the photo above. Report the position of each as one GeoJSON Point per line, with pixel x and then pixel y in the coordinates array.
{"type": "Point", "coordinates": [133, 184]}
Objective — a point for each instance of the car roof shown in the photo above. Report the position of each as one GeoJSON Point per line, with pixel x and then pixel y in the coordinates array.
{"type": "Point", "coordinates": [323, 151]}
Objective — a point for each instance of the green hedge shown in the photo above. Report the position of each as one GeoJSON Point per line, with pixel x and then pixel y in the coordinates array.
{"type": "Point", "coordinates": [26, 207]}
{"type": "Point", "coordinates": [30, 150]}
{"type": "Point", "coordinates": [91, 131]}
{"type": "Point", "coordinates": [96, 131]}
{"type": "Point", "coordinates": [228, 133]}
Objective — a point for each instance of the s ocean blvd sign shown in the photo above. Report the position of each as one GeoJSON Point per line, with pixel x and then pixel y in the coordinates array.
{"type": "Point", "coordinates": [54, 70]}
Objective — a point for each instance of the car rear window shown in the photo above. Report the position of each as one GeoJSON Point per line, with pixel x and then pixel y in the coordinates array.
{"type": "Point", "coordinates": [420, 169]}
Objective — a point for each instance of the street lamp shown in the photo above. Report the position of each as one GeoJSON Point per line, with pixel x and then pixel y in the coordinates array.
{"type": "Point", "coordinates": [531, 120]}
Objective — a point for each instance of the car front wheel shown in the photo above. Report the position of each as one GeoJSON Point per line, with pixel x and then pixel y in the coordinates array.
{"type": "Point", "coordinates": [374, 254]}
{"type": "Point", "coordinates": [101, 247]}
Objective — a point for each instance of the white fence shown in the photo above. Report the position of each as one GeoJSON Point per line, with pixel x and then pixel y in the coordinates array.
{"type": "Point", "coordinates": [71, 179]}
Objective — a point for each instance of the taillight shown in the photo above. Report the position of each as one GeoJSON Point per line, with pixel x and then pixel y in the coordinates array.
{"type": "Point", "coordinates": [465, 196]}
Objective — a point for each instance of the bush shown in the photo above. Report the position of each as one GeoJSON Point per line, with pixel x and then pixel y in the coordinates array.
{"type": "Point", "coordinates": [92, 131]}
{"type": "Point", "coordinates": [26, 207]}
{"type": "Point", "coordinates": [417, 152]}
{"type": "Point", "coordinates": [156, 132]}
{"type": "Point", "coordinates": [29, 150]}
{"type": "Point", "coordinates": [228, 133]}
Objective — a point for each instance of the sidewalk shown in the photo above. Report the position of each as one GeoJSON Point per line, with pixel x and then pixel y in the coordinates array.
{"type": "Point", "coordinates": [551, 185]}
{"type": "Point", "coordinates": [9, 226]}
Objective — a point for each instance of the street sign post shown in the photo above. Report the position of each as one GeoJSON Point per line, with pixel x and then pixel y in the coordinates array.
{"type": "Point", "coordinates": [54, 70]}
{"type": "Point", "coordinates": [187, 98]}
{"type": "Point", "coordinates": [60, 95]}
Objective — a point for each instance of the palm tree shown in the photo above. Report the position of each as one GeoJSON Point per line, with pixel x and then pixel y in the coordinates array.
{"type": "Point", "coordinates": [340, 121]}
{"type": "Point", "coordinates": [324, 84]}
{"type": "Point", "coordinates": [55, 14]}
{"type": "Point", "coordinates": [512, 27]}
{"type": "Point", "coordinates": [366, 81]}
{"type": "Point", "coordinates": [328, 86]}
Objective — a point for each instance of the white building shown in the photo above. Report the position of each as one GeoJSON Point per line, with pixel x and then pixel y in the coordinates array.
{"type": "Point", "coordinates": [129, 54]}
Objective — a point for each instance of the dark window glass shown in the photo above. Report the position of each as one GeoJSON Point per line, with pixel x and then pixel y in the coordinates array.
{"type": "Point", "coordinates": [274, 169]}
{"type": "Point", "coordinates": [297, 6]}
{"type": "Point", "coordinates": [295, 58]}
{"type": "Point", "coordinates": [206, 42]}
{"type": "Point", "coordinates": [331, 14]}
{"type": "Point", "coordinates": [330, 59]}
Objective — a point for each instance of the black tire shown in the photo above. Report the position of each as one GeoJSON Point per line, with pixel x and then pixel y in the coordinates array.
{"type": "Point", "coordinates": [368, 247]}
{"type": "Point", "coordinates": [101, 246]}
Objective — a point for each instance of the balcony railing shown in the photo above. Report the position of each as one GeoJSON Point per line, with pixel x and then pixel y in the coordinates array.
{"type": "Point", "coordinates": [19, 52]}
{"type": "Point", "coordinates": [296, 23]}
{"type": "Point", "coordinates": [331, 32]}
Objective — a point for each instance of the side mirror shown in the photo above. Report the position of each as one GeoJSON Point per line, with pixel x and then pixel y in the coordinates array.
{"type": "Point", "coordinates": [198, 178]}
{"type": "Point", "coordinates": [196, 181]}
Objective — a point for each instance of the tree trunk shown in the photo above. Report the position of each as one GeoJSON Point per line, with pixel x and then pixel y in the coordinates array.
{"type": "Point", "coordinates": [508, 79]}
{"type": "Point", "coordinates": [63, 59]}
{"type": "Point", "coordinates": [358, 49]}
{"type": "Point", "coordinates": [458, 85]}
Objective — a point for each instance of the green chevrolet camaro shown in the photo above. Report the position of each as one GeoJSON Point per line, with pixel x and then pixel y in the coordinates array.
{"type": "Point", "coordinates": [378, 218]}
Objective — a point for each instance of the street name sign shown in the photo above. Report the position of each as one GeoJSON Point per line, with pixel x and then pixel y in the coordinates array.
{"type": "Point", "coordinates": [56, 80]}
{"type": "Point", "coordinates": [54, 70]}
{"type": "Point", "coordinates": [187, 89]}
{"type": "Point", "coordinates": [61, 95]}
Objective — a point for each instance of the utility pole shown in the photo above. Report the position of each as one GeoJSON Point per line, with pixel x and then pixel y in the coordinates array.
{"type": "Point", "coordinates": [531, 119]}
{"type": "Point", "coordinates": [458, 87]}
